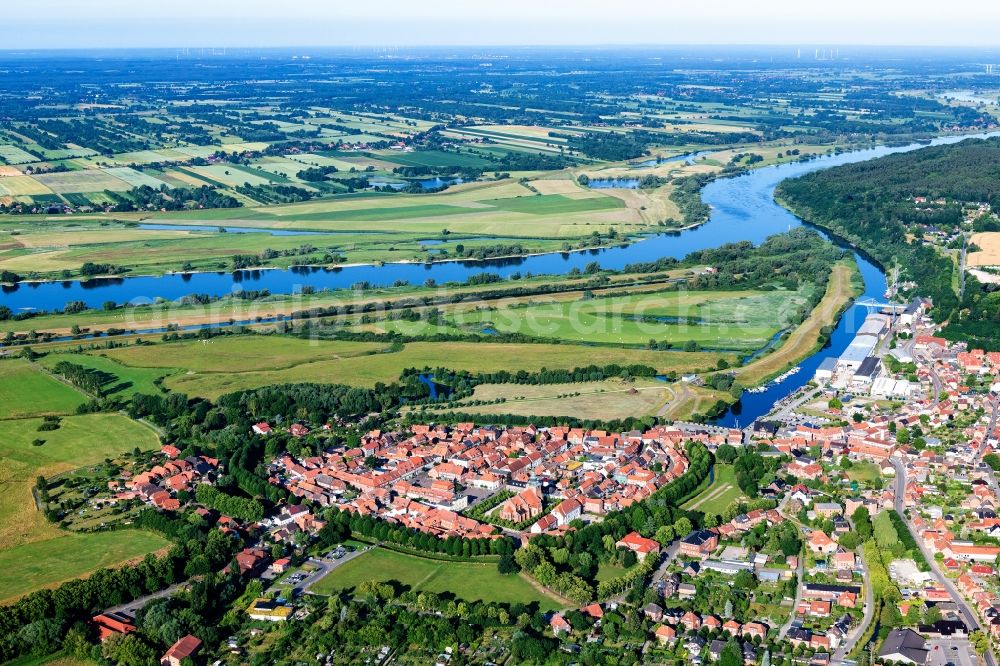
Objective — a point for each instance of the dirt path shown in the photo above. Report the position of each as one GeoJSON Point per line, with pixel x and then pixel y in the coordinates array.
{"type": "Point", "coordinates": [711, 496]}
{"type": "Point", "coordinates": [541, 589]}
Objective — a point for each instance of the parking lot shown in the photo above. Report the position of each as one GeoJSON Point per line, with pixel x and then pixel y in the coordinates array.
{"type": "Point", "coordinates": [950, 651]}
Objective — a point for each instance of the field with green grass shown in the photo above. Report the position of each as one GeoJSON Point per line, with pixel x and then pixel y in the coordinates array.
{"type": "Point", "coordinates": [120, 381]}
{"type": "Point", "coordinates": [58, 659]}
{"type": "Point", "coordinates": [27, 391]}
{"type": "Point", "coordinates": [844, 284]}
{"type": "Point", "coordinates": [464, 580]}
{"type": "Point", "coordinates": [864, 472]}
{"type": "Point", "coordinates": [369, 226]}
{"type": "Point", "coordinates": [238, 353]}
{"type": "Point", "coordinates": [159, 315]}
{"type": "Point", "coordinates": [738, 321]}
{"type": "Point", "coordinates": [234, 363]}
{"type": "Point", "coordinates": [609, 571]}
{"type": "Point", "coordinates": [35, 553]}
{"type": "Point", "coordinates": [32, 566]}
{"type": "Point", "coordinates": [719, 495]}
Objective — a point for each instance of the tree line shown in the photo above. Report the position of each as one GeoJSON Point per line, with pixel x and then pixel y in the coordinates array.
{"type": "Point", "coordinates": [871, 204]}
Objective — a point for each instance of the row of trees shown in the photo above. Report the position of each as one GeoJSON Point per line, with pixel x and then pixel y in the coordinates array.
{"type": "Point", "coordinates": [249, 510]}
{"type": "Point", "coordinates": [454, 547]}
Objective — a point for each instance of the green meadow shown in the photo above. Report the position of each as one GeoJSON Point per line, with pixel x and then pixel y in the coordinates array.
{"type": "Point", "coordinates": [228, 364]}
{"type": "Point", "coordinates": [25, 391]}
{"type": "Point", "coordinates": [35, 553]}
{"type": "Point", "coordinates": [463, 580]}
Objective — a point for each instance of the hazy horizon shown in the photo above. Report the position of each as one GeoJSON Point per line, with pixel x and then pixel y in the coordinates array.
{"type": "Point", "coordinates": [114, 24]}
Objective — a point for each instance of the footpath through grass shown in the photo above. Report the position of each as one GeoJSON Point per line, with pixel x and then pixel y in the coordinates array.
{"type": "Point", "coordinates": [465, 580]}
{"type": "Point", "coordinates": [717, 497]}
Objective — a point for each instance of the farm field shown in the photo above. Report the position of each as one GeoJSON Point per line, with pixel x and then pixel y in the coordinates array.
{"type": "Point", "coordinates": [29, 567]}
{"type": "Point", "coordinates": [719, 495]}
{"type": "Point", "coordinates": [14, 155]}
{"type": "Point", "coordinates": [605, 400]}
{"type": "Point", "coordinates": [27, 391]}
{"type": "Point", "coordinates": [349, 363]}
{"type": "Point", "coordinates": [464, 580]}
{"type": "Point", "coordinates": [238, 353]}
{"type": "Point", "coordinates": [87, 180]}
{"type": "Point", "coordinates": [26, 536]}
{"type": "Point", "coordinates": [369, 227]}
{"type": "Point", "coordinates": [989, 255]}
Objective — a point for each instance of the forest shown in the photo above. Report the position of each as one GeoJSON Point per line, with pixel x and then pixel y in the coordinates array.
{"type": "Point", "coordinates": [871, 204]}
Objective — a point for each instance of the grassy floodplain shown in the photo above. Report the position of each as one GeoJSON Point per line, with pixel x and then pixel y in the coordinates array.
{"type": "Point", "coordinates": [159, 315]}
{"type": "Point", "coordinates": [844, 285]}
{"type": "Point", "coordinates": [364, 364]}
{"type": "Point", "coordinates": [365, 228]}
{"type": "Point", "coordinates": [737, 320]}
{"type": "Point", "coordinates": [607, 400]}
{"type": "Point", "coordinates": [33, 552]}
{"type": "Point", "coordinates": [25, 392]}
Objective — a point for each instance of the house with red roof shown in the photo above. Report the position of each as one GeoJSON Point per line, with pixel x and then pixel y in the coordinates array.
{"type": "Point", "coordinates": [298, 430]}
{"type": "Point", "coordinates": [185, 648]}
{"type": "Point", "coordinates": [639, 545]}
{"type": "Point", "coordinates": [665, 634]}
{"type": "Point", "coordinates": [559, 624]}
{"type": "Point", "coordinates": [691, 621]}
{"type": "Point", "coordinates": [821, 544]}
{"type": "Point", "coordinates": [110, 624]}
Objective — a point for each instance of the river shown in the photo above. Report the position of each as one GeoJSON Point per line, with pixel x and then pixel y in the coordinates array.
{"type": "Point", "coordinates": [743, 208]}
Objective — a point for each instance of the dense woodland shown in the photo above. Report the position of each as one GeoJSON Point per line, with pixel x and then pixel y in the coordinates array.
{"type": "Point", "coordinates": [871, 204]}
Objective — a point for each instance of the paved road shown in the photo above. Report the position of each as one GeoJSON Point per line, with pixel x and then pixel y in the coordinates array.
{"type": "Point", "coordinates": [989, 429]}
{"type": "Point", "coordinates": [799, 572]}
{"type": "Point", "coordinates": [795, 604]}
{"type": "Point", "coordinates": [133, 606]}
{"type": "Point", "coordinates": [971, 619]}
{"type": "Point", "coordinates": [323, 567]}
{"type": "Point", "coordinates": [961, 267]}
{"type": "Point", "coordinates": [869, 615]}
{"type": "Point", "coordinates": [668, 555]}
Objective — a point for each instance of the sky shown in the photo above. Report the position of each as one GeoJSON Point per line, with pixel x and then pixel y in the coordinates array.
{"type": "Point", "coordinates": [47, 24]}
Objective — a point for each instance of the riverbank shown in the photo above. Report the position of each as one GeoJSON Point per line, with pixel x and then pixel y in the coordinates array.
{"type": "Point", "coordinates": [271, 309]}
{"type": "Point", "coordinates": [842, 288]}
{"type": "Point", "coordinates": [743, 209]}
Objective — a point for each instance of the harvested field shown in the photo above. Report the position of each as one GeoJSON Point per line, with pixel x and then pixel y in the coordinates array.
{"type": "Point", "coordinates": [989, 241]}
